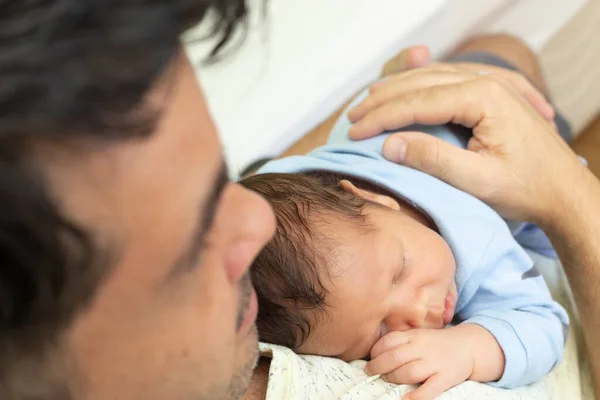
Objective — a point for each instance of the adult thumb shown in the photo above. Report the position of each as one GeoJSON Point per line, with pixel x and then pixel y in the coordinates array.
{"type": "Point", "coordinates": [461, 168]}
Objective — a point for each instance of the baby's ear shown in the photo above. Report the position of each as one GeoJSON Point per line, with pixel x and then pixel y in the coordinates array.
{"type": "Point", "coordinates": [367, 195]}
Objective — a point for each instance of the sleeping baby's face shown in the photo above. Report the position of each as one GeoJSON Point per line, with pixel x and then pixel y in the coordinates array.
{"type": "Point", "coordinates": [399, 277]}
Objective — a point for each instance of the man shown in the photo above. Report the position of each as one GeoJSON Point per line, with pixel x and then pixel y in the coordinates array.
{"type": "Point", "coordinates": [124, 246]}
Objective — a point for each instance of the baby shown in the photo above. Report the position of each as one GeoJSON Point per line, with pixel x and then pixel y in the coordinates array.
{"type": "Point", "coordinates": [378, 261]}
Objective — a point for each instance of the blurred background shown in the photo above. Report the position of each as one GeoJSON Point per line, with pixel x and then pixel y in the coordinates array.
{"type": "Point", "coordinates": [312, 55]}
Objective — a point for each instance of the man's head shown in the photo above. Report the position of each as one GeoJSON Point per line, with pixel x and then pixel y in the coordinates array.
{"type": "Point", "coordinates": [123, 246]}
{"type": "Point", "coordinates": [346, 266]}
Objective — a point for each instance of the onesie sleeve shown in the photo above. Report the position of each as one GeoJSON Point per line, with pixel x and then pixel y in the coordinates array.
{"type": "Point", "coordinates": [511, 300]}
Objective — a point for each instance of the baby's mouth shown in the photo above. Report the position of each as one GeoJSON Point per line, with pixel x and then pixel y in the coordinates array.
{"type": "Point", "coordinates": [449, 307]}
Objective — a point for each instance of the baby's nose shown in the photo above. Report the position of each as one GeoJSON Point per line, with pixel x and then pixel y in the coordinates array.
{"type": "Point", "coordinates": [408, 315]}
{"type": "Point", "coordinates": [415, 312]}
{"type": "Point", "coordinates": [435, 315]}
{"type": "Point", "coordinates": [416, 315]}
{"type": "Point", "coordinates": [411, 311]}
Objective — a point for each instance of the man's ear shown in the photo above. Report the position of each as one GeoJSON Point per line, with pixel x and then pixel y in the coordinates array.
{"type": "Point", "coordinates": [370, 196]}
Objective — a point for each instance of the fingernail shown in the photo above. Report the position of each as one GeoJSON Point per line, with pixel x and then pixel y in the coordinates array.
{"type": "Point", "coordinates": [379, 83]}
{"type": "Point", "coordinates": [368, 370]}
{"type": "Point", "coordinates": [394, 149]}
{"type": "Point", "coordinates": [550, 113]}
{"type": "Point", "coordinates": [352, 132]}
{"type": "Point", "coordinates": [352, 114]}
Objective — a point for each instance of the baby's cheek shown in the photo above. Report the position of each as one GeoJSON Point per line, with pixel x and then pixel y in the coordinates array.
{"type": "Point", "coordinates": [445, 258]}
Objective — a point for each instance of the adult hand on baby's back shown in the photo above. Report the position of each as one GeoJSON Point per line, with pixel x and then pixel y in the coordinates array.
{"type": "Point", "coordinates": [438, 358]}
{"type": "Point", "coordinates": [513, 157]}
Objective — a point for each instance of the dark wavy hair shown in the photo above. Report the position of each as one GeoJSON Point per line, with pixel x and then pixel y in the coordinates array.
{"type": "Point", "coordinates": [70, 68]}
{"type": "Point", "coordinates": [290, 272]}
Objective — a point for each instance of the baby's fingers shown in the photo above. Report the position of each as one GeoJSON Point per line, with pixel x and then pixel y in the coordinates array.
{"type": "Point", "coordinates": [430, 389]}
{"type": "Point", "coordinates": [410, 374]}
{"type": "Point", "coordinates": [388, 342]}
{"type": "Point", "coordinates": [392, 359]}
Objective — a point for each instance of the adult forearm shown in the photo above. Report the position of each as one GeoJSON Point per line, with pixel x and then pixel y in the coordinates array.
{"type": "Point", "coordinates": [575, 233]}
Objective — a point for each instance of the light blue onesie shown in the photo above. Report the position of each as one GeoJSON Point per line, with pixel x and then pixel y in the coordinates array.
{"type": "Point", "coordinates": [499, 288]}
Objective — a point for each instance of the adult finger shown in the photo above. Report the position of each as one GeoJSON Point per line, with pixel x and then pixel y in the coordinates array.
{"type": "Point", "coordinates": [392, 359]}
{"type": "Point", "coordinates": [519, 80]}
{"type": "Point", "coordinates": [400, 75]}
{"type": "Point", "coordinates": [430, 389]}
{"type": "Point", "coordinates": [437, 66]}
{"type": "Point", "coordinates": [439, 158]}
{"type": "Point", "coordinates": [466, 103]}
{"type": "Point", "coordinates": [440, 74]}
{"type": "Point", "coordinates": [410, 82]}
{"type": "Point", "coordinates": [417, 56]}
{"type": "Point", "coordinates": [525, 87]}
{"type": "Point", "coordinates": [516, 79]}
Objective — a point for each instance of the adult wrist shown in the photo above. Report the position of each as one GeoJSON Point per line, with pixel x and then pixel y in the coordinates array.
{"type": "Point", "coordinates": [573, 201]}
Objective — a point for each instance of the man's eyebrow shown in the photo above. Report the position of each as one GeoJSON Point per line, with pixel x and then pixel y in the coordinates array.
{"type": "Point", "coordinates": [204, 218]}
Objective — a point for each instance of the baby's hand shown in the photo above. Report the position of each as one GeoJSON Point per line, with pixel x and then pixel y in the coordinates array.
{"type": "Point", "coordinates": [439, 358]}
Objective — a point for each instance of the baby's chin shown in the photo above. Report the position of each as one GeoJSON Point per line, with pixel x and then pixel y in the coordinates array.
{"type": "Point", "coordinates": [321, 349]}
{"type": "Point", "coordinates": [356, 354]}
{"type": "Point", "coordinates": [353, 357]}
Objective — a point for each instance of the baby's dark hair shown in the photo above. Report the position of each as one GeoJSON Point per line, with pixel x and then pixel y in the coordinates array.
{"type": "Point", "coordinates": [288, 272]}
